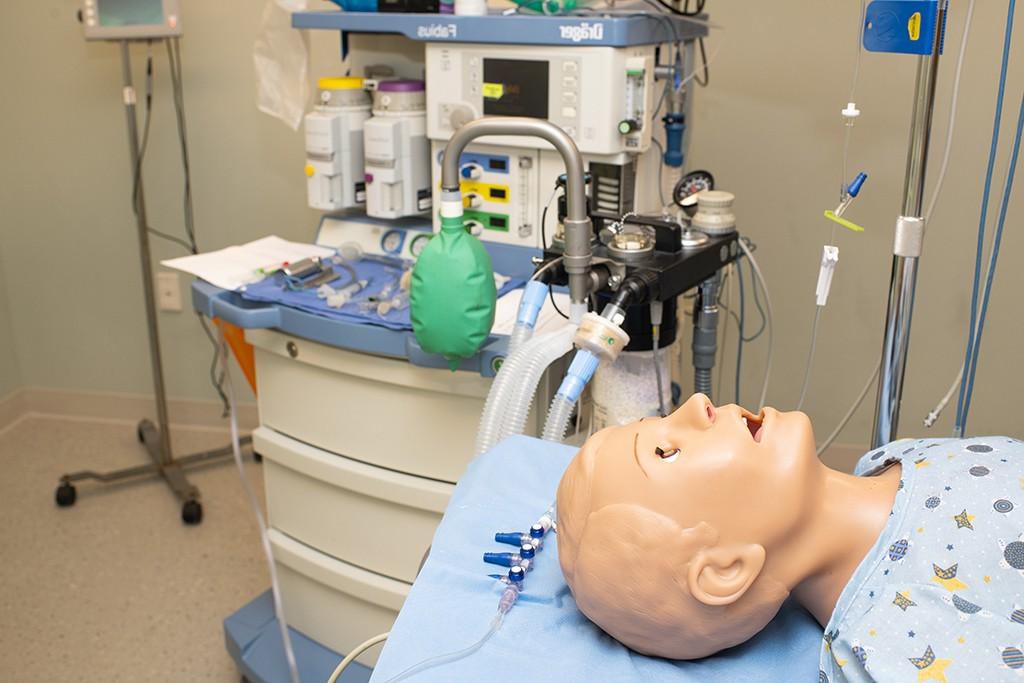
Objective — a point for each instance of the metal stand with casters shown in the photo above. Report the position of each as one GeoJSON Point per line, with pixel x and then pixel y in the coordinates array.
{"type": "Point", "coordinates": [155, 437]}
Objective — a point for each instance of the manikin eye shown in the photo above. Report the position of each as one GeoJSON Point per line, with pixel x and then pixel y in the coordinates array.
{"type": "Point", "coordinates": [669, 455]}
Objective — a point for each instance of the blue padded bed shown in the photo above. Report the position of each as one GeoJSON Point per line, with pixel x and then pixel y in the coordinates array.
{"type": "Point", "coordinates": [544, 637]}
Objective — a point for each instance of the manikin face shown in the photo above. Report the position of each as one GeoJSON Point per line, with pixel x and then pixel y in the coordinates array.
{"type": "Point", "coordinates": [752, 477]}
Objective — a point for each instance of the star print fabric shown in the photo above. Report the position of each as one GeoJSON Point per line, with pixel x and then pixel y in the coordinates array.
{"type": "Point", "coordinates": [940, 596]}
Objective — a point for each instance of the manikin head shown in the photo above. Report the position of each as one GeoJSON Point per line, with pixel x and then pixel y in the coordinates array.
{"type": "Point", "coordinates": [673, 533]}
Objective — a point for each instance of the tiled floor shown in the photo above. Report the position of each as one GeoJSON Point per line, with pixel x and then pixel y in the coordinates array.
{"type": "Point", "coordinates": [116, 588]}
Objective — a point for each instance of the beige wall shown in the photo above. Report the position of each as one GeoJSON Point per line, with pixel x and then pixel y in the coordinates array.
{"type": "Point", "coordinates": [768, 127]}
{"type": "Point", "coordinates": [10, 375]}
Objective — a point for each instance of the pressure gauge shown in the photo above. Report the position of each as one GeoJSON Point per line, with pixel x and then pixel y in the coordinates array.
{"type": "Point", "coordinates": [392, 241]}
{"type": "Point", "coordinates": [417, 244]}
{"type": "Point", "coordinates": [685, 192]}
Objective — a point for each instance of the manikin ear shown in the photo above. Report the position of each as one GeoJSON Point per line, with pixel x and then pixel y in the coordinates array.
{"type": "Point", "coordinates": [720, 575]}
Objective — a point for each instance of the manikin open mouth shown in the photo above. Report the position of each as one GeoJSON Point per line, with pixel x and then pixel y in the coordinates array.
{"type": "Point", "coordinates": [754, 423]}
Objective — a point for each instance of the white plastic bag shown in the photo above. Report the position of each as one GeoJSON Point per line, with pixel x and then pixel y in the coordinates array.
{"type": "Point", "coordinates": [281, 57]}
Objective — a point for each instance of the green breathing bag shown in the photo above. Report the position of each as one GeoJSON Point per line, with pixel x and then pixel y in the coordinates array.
{"type": "Point", "coordinates": [453, 296]}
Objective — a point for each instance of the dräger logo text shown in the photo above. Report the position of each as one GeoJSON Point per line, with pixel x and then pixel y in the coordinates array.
{"type": "Point", "coordinates": [437, 31]}
{"type": "Point", "coordinates": [581, 32]}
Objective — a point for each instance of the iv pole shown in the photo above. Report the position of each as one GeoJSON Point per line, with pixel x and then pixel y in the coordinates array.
{"type": "Point", "coordinates": [156, 438]}
{"type": "Point", "coordinates": [909, 239]}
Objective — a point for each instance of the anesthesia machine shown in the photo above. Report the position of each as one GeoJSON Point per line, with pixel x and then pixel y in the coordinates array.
{"type": "Point", "coordinates": [495, 151]}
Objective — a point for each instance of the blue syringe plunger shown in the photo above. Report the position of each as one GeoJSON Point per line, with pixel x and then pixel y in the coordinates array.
{"type": "Point", "coordinates": [854, 189]}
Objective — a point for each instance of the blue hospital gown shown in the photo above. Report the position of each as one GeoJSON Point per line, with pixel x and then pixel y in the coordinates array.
{"type": "Point", "coordinates": [940, 596]}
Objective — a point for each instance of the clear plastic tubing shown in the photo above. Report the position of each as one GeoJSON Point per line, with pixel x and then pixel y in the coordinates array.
{"type": "Point", "coordinates": [517, 409]}
{"type": "Point", "coordinates": [502, 388]}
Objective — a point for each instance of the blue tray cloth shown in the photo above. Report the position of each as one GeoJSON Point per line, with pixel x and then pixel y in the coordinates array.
{"type": "Point", "coordinates": [544, 637]}
{"type": "Point", "coordinates": [272, 290]}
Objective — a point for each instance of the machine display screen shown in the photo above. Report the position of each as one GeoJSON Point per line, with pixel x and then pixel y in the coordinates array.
{"type": "Point", "coordinates": [130, 12]}
{"type": "Point", "coordinates": [515, 87]}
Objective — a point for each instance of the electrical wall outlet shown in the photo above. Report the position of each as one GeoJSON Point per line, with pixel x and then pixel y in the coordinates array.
{"type": "Point", "coordinates": [168, 292]}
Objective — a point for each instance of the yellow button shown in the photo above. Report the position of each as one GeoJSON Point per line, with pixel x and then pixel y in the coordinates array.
{"type": "Point", "coordinates": [310, 170]}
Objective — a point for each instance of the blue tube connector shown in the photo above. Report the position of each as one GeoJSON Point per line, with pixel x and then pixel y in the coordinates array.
{"type": "Point", "coordinates": [501, 559]}
{"type": "Point", "coordinates": [526, 553]}
{"type": "Point", "coordinates": [854, 189]}
{"type": "Point", "coordinates": [517, 538]}
{"type": "Point", "coordinates": [674, 129]}
{"type": "Point", "coordinates": [581, 370]}
{"type": "Point", "coordinates": [531, 303]}
{"type": "Point", "coordinates": [509, 538]}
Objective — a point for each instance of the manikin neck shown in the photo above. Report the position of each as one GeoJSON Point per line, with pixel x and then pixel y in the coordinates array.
{"type": "Point", "coordinates": [851, 514]}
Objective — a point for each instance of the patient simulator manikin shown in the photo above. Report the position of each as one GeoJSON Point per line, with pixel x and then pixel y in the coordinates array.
{"type": "Point", "coordinates": [682, 536]}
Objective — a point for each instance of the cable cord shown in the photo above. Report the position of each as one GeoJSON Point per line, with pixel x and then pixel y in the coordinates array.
{"type": "Point", "coordinates": [853, 409]}
{"type": "Point", "coordinates": [450, 656]}
{"type": "Point", "coordinates": [771, 321]}
{"type": "Point", "coordinates": [740, 323]}
{"type": "Point", "coordinates": [932, 416]}
{"type": "Point", "coordinates": [190, 245]}
{"type": "Point", "coordinates": [958, 428]}
{"type": "Point", "coordinates": [236, 450]}
{"type": "Point", "coordinates": [990, 276]}
{"type": "Point", "coordinates": [144, 146]}
{"type": "Point", "coordinates": [726, 293]}
{"type": "Point", "coordinates": [177, 87]}
{"type": "Point", "coordinates": [951, 126]}
{"type": "Point", "coordinates": [356, 651]}
{"type": "Point", "coordinates": [704, 62]}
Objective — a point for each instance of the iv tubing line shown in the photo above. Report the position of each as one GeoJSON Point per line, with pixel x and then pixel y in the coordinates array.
{"type": "Point", "coordinates": [289, 652]}
{"type": "Point", "coordinates": [852, 410]}
{"type": "Point", "coordinates": [771, 321]}
{"type": "Point", "coordinates": [810, 357]}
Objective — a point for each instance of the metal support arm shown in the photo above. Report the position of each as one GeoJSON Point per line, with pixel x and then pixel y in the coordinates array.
{"type": "Point", "coordinates": [578, 228]}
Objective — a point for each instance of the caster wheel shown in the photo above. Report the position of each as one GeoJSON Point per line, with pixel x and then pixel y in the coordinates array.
{"type": "Point", "coordinates": [192, 512]}
{"type": "Point", "coordinates": [256, 457]}
{"type": "Point", "coordinates": [66, 495]}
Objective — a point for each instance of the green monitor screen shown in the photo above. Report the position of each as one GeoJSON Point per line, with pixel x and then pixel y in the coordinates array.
{"type": "Point", "coordinates": [130, 12]}
{"type": "Point", "coordinates": [131, 19]}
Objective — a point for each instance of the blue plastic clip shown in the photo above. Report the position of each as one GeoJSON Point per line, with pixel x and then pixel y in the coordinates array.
{"type": "Point", "coordinates": [903, 26]}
